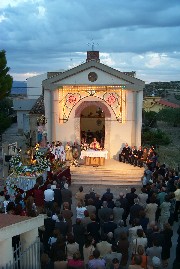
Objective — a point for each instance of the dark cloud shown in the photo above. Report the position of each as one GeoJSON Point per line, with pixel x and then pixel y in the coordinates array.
{"type": "Point", "coordinates": [42, 35]}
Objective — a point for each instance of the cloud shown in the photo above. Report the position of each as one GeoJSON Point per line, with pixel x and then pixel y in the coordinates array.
{"type": "Point", "coordinates": [39, 35]}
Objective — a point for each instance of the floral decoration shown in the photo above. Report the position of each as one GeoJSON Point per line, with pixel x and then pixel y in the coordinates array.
{"type": "Point", "coordinates": [71, 99]}
{"type": "Point", "coordinates": [111, 99]}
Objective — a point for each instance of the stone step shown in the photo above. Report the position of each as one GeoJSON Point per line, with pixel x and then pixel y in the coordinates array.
{"type": "Point", "coordinates": [107, 173]}
{"type": "Point", "coordinates": [96, 177]}
{"type": "Point", "coordinates": [107, 183]}
{"type": "Point", "coordinates": [109, 179]}
{"type": "Point", "coordinates": [112, 173]}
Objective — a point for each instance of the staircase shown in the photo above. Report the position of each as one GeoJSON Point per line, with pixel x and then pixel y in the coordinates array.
{"type": "Point", "coordinates": [112, 173]}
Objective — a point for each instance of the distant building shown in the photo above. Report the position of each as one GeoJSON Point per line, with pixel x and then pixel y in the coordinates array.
{"type": "Point", "coordinates": [154, 103]}
{"type": "Point", "coordinates": [23, 104]}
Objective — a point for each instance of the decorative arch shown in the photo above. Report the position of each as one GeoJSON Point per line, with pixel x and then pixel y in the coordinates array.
{"type": "Point", "coordinates": [85, 104]}
{"type": "Point", "coordinates": [69, 97]}
{"type": "Point", "coordinates": [107, 113]}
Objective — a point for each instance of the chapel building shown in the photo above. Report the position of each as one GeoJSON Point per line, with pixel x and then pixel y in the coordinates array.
{"type": "Point", "coordinates": [94, 100]}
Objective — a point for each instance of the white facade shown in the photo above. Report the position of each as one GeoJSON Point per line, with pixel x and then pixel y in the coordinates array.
{"type": "Point", "coordinates": [34, 86]}
{"type": "Point", "coordinates": [27, 228]}
{"type": "Point", "coordinates": [67, 94]}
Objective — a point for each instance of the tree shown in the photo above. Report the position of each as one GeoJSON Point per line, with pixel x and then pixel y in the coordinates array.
{"type": "Point", "coordinates": [5, 79]}
{"type": "Point", "coordinates": [170, 115]}
{"type": "Point", "coordinates": [150, 118]}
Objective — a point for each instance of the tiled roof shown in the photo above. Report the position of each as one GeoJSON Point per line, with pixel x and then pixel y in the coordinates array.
{"type": "Point", "coordinates": [8, 219]}
{"type": "Point", "coordinates": [38, 107]}
{"type": "Point", "coordinates": [168, 104]}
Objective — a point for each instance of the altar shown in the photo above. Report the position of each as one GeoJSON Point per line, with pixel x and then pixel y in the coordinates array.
{"type": "Point", "coordinates": [94, 157]}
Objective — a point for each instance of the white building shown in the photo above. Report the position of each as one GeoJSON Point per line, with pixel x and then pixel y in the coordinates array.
{"type": "Point", "coordinates": [97, 98]}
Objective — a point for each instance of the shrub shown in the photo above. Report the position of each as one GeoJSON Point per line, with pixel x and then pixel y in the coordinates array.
{"type": "Point", "coordinates": [155, 137]}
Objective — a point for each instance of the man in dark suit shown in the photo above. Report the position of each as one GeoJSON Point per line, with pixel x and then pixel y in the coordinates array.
{"type": "Point", "coordinates": [124, 155]}
{"type": "Point", "coordinates": [66, 195]}
{"type": "Point", "coordinates": [57, 195]}
{"type": "Point", "coordinates": [104, 213]}
{"type": "Point", "coordinates": [62, 226]}
{"type": "Point", "coordinates": [135, 210]}
{"type": "Point", "coordinates": [90, 195]}
{"type": "Point", "coordinates": [132, 155]}
{"type": "Point", "coordinates": [49, 225]}
{"type": "Point", "coordinates": [109, 226]}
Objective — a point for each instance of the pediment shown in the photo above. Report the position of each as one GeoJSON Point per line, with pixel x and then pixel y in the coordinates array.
{"type": "Point", "coordinates": [105, 75]}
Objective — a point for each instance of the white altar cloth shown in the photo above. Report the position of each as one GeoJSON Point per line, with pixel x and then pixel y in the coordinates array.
{"type": "Point", "coordinates": [94, 153]}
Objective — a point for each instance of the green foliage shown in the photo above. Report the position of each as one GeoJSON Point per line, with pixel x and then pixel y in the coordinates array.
{"type": "Point", "coordinates": [5, 122]}
{"type": "Point", "coordinates": [6, 106]}
{"type": "Point", "coordinates": [150, 118]}
{"type": "Point", "coordinates": [157, 137]}
{"type": "Point", "coordinates": [170, 115]}
{"type": "Point", "coordinates": [177, 96]}
{"type": "Point", "coordinates": [5, 79]}
{"type": "Point", "coordinates": [5, 112]}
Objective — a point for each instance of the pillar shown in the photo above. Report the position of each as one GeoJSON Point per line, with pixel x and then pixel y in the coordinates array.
{"type": "Point", "coordinates": [6, 252]}
{"type": "Point", "coordinates": [139, 103]}
{"type": "Point", "coordinates": [48, 112]}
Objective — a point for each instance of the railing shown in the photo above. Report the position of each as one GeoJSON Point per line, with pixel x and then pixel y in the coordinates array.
{"type": "Point", "coordinates": [25, 259]}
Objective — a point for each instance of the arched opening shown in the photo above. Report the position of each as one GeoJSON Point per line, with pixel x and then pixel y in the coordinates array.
{"type": "Point", "coordinates": [92, 124]}
{"type": "Point", "coordinates": [105, 120]}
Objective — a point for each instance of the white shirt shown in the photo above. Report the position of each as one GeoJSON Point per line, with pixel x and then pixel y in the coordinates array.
{"type": "Point", "coordinates": [80, 212]}
{"type": "Point", "coordinates": [49, 195]}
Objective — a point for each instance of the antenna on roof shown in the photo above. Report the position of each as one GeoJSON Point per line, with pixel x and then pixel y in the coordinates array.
{"type": "Point", "coordinates": [92, 44]}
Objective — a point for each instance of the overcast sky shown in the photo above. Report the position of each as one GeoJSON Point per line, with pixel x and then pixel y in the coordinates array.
{"type": "Point", "coordinates": [131, 35]}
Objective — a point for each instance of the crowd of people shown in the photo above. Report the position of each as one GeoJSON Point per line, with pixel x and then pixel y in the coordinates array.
{"type": "Point", "coordinates": [93, 231]}
{"type": "Point", "coordinates": [131, 231]}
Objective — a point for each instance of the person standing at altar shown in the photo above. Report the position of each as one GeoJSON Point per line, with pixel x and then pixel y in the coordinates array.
{"type": "Point", "coordinates": [57, 151]}
{"type": "Point", "coordinates": [62, 154]}
{"type": "Point", "coordinates": [84, 144]}
{"type": "Point", "coordinates": [53, 148]}
{"type": "Point", "coordinates": [68, 151]}
{"type": "Point", "coordinates": [95, 144]}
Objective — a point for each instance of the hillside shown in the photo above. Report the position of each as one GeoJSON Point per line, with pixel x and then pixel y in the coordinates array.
{"type": "Point", "coordinates": [170, 155]}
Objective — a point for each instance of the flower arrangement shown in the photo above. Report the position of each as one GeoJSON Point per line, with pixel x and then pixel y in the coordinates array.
{"type": "Point", "coordinates": [38, 154]}
{"type": "Point", "coordinates": [43, 164]}
{"type": "Point", "coordinates": [16, 164]}
{"type": "Point", "coordinates": [15, 160]}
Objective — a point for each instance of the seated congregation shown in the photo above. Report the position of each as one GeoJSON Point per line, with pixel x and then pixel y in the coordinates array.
{"type": "Point", "coordinates": [138, 157]}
